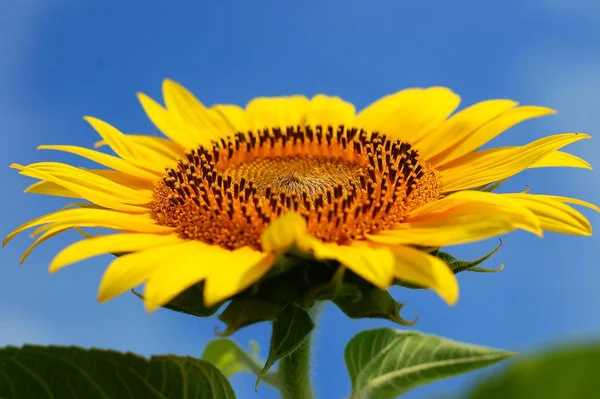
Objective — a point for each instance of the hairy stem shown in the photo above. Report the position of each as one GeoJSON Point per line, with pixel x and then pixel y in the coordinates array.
{"type": "Point", "coordinates": [294, 370]}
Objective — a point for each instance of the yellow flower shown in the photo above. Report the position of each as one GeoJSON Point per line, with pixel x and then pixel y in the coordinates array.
{"type": "Point", "coordinates": [230, 187]}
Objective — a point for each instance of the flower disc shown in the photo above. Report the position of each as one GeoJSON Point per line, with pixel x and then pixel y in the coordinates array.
{"type": "Point", "coordinates": [345, 183]}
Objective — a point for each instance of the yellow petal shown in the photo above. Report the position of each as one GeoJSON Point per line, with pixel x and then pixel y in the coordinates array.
{"type": "Point", "coordinates": [240, 269]}
{"type": "Point", "coordinates": [85, 178]}
{"type": "Point", "coordinates": [420, 268]}
{"type": "Point", "coordinates": [124, 179]}
{"type": "Point", "coordinates": [461, 125]}
{"type": "Point", "coordinates": [568, 200]}
{"type": "Point", "coordinates": [561, 159]}
{"type": "Point", "coordinates": [265, 112]}
{"type": "Point", "coordinates": [462, 217]}
{"type": "Point", "coordinates": [114, 138]}
{"type": "Point", "coordinates": [554, 159]}
{"type": "Point", "coordinates": [112, 243]}
{"type": "Point", "coordinates": [448, 230]}
{"type": "Point", "coordinates": [187, 111]}
{"type": "Point", "coordinates": [91, 194]}
{"type": "Point", "coordinates": [376, 265]}
{"type": "Point", "coordinates": [329, 111]}
{"type": "Point", "coordinates": [127, 149]}
{"type": "Point", "coordinates": [478, 170]}
{"type": "Point", "coordinates": [410, 114]}
{"type": "Point", "coordinates": [129, 271]}
{"type": "Point", "coordinates": [89, 217]}
{"type": "Point", "coordinates": [283, 232]}
{"type": "Point", "coordinates": [171, 279]}
{"type": "Point", "coordinates": [489, 131]}
{"type": "Point", "coordinates": [163, 120]}
{"type": "Point", "coordinates": [50, 188]}
{"type": "Point", "coordinates": [370, 118]}
{"type": "Point", "coordinates": [554, 214]}
{"type": "Point", "coordinates": [234, 115]}
{"type": "Point", "coordinates": [159, 145]}
{"type": "Point", "coordinates": [104, 159]}
{"type": "Point", "coordinates": [49, 233]}
{"type": "Point", "coordinates": [226, 273]}
{"type": "Point", "coordinates": [461, 202]}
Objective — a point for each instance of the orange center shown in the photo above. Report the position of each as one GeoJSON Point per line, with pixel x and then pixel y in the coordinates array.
{"type": "Point", "coordinates": [344, 182]}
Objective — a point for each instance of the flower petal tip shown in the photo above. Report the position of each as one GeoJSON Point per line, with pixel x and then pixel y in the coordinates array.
{"type": "Point", "coordinates": [449, 293]}
{"type": "Point", "coordinates": [104, 293]}
{"type": "Point", "coordinates": [143, 97]}
{"type": "Point", "coordinates": [55, 265]}
{"type": "Point", "coordinates": [150, 307]}
{"type": "Point", "coordinates": [452, 300]}
{"type": "Point", "coordinates": [102, 297]}
{"type": "Point", "coordinates": [169, 83]}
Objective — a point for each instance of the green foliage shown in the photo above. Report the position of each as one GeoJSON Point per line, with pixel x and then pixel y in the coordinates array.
{"type": "Point", "coordinates": [291, 327]}
{"type": "Point", "coordinates": [68, 372]}
{"type": "Point", "coordinates": [458, 265]}
{"type": "Point", "coordinates": [230, 359]}
{"type": "Point", "coordinates": [373, 303]}
{"type": "Point", "coordinates": [492, 186]}
{"type": "Point", "coordinates": [191, 301]}
{"type": "Point", "coordinates": [384, 363]}
{"type": "Point", "coordinates": [558, 374]}
{"type": "Point", "coordinates": [242, 312]}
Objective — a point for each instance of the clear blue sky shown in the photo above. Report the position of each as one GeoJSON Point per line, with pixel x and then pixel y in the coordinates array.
{"type": "Point", "coordinates": [61, 59]}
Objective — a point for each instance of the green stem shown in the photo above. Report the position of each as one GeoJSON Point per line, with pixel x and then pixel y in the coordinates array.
{"type": "Point", "coordinates": [294, 370]}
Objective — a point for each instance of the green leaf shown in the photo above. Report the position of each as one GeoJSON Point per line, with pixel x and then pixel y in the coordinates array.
{"type": "Point", "coordinates": [373, 303]}
{"type": "Point", "coordinates": [291, 327]}
{"type": "Point", "coordinates": [242, 312]}
{"type": "Point", "coordinates": [230, 359]}
{"type": "Point", "coordinates": [384, 363]}
{"type": "Point", "coordinates": [54, 372]}
{"type": "Point", "coordinates": [556, 374]}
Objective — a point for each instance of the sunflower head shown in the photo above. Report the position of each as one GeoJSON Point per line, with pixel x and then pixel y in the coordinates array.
{"type": "Point", "coordinates": [296, 200]}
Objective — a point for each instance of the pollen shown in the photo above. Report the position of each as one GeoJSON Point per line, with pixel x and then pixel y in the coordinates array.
{"type": "Point", "coordinates": [345, 182]}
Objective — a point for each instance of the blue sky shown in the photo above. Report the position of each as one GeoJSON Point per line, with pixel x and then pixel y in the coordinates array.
{"type": "Point", "coordinates": [63, 59]}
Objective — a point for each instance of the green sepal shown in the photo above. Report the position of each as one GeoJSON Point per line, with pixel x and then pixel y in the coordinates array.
{"type": "Point", "coordinates": [296, 278]}
{"type": "Point", "coordinates": [373, 303]}
{"type": "Point", "coordinates": [291, 327]}
{"type": "Point", "coordinates": [335, 288]}
{"type": "Point", "coordinates": [492, 186]}
{"type": "Point", "coordinates": [458, 265]}
{"type": "Point", "coordinates": [242, 312]}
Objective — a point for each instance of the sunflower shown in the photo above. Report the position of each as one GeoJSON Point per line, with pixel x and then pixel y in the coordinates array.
{"type": "Point", "coordinates": [228, 189]}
